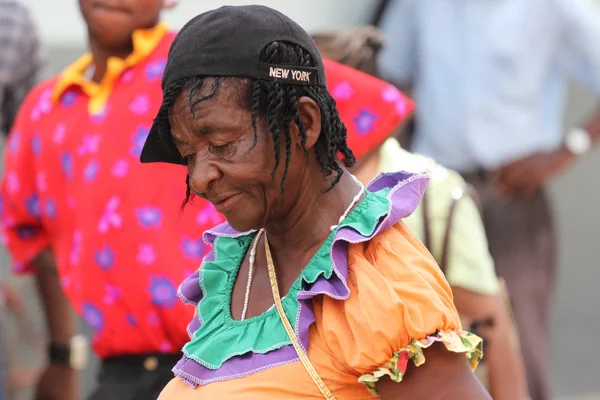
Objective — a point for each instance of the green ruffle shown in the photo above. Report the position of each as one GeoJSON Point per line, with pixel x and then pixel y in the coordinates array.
{"type": "Point", "coordinates": [220, 337]}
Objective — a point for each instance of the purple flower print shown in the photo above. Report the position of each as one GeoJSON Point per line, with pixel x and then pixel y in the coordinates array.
{"type": "Point", "coordinates": [146, 254]}
{"type": "Point", "coordinates": [51, 208]}
{"type": "Point", "coordinates": [392, 95]}
{"type": "Point", "coordinates": [68, 99]}
{"type": "Point", "coordinates": [93, 316]}
{"type": "Point", "coordinates": [66, 164]}
{"type": "Point", "coordinates": [105, 258]}
{"type": "Point", "coordinates": [155, 70]}
{"type": "Point", "coordinates": [163, 292]}
{"type": "Point", "coordinates": [140, 104]}
{"type": "Point", "coordinates": [32, 204]}
{"type": "Point", "coordinates": [131, 320]}
{"type": "Point", "coordinates": [13, 142]}
{"type": "Point", "coordinates": [36, 144]}
{"type": "Point", "coordinates": [139, 138]}
{"type": "Point", "coordinates": [127, 76]}
{"type": "Point", "coordinates": [26, 232]}
{"type": "Point", "coordinates": [342, 91]}
{"type": "Point", "coordinates": [120, 169]}
{"type": "Point", "coordinates": [89, 144]}
{"type": "Point", "coordinates": [60, 132]}
{"type": "Point", "coordinates": [149, 217]}
{"type": "Point", "coordinates": [13, 184]}
{"type": "Point", "coordinates": [110, 217]}
{"type": "Point", "coordinates": [365, 121]}
{"type": "Point", "coordinates": [192, 248]}
{"type": "Point", "coordinates": [91, 171]}
{"type": "Point", "coordinates": [42, 106]}
{"type": "Point", "coordinates": [112, 294]}
{"type": "Point", "coordinates": [75, 253]}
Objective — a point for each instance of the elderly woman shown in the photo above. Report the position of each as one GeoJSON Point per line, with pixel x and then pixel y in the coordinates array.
{"type": "Point", "coordinates": [447, 220]}
{"type": "Point", "coordinates": [246, 108]}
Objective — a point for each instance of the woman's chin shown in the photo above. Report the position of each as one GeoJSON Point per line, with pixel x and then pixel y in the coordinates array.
{"type": "Point", "coordinates": [243, 224]}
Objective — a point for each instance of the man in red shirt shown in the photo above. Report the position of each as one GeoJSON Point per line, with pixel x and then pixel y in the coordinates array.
{"type": "Point", "coordinates": [103, 233]}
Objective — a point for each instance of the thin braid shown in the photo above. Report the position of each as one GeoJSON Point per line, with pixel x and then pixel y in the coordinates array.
{"type": "Point", "coordinates": [188, 192]}
{"type": "Point", "coordinates": [256, 91]}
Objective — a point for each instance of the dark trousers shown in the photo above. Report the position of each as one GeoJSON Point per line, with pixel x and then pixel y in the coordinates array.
{"type": "Point", "coordinates": [139, 377]}
{"type": "Point", "coordinates": [522, 242]}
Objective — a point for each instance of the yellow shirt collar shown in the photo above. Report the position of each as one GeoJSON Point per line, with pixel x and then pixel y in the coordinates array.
{"type": "Point", "coordinates": [144, 42]}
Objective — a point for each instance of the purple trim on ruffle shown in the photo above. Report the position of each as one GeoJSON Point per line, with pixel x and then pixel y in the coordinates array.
{"type": "Point", "coordinates": [404, 196]}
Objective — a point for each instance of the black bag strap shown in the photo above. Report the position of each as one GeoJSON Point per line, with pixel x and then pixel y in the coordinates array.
{"type": "Point", "coordinates": [457, 195]}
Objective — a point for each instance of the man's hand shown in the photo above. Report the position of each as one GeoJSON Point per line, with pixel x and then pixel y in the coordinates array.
{"type": "Point", "coordinates": [522, 178]}
{"type": "Point", "coordinates": [58, 382]}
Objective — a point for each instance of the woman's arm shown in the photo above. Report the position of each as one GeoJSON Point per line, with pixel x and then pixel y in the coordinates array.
{"type": "Point", "coordinates": [445, 375]}
{"type": "Point", "coordinates": [505, 367]}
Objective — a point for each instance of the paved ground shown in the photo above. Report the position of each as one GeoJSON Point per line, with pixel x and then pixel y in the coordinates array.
{"type": "Point", "coordinates": [576, 318]}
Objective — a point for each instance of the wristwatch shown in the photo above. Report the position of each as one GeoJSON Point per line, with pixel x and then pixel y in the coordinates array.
{"type": "Point", "coordinates": [75, 354]}
{"type": "Point", "coordinates": [578, 141]}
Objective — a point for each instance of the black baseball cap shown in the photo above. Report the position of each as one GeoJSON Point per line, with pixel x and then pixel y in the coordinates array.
{"type": "Point", "coordinates": [228, 42]}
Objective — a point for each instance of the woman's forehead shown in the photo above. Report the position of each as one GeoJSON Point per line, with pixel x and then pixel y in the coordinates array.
{"type": "Point", "coordinates": [212, 92]}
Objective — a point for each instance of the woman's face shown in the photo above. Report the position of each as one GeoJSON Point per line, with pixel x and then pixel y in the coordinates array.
{"type": "Point", "coordinates": [225, 165]}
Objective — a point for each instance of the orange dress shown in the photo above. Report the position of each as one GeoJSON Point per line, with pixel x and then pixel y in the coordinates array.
{"type": "Point", "coordinates": [376, 299]}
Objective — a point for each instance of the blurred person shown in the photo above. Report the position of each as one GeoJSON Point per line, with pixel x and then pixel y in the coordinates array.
{"type": "Point", "coordinates": [490, 81]}
{"type": "Point", "coordinates": [104, 234]}
{"type": "Point", "coordinates": [20, 66]}
{"type": "Point", "coordinates": [447, 220]}
{"type": "Point", "coordinates": [20, 60]}
{"type": "Point", "coordinates": [253, 120]}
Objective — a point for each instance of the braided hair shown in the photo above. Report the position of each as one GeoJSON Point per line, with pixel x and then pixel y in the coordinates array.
{"type": "Point", "coordinates": [277, 103]}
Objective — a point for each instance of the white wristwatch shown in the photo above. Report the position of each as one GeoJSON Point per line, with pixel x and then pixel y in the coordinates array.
{"type": "Point", "coordinates": [578, 141]}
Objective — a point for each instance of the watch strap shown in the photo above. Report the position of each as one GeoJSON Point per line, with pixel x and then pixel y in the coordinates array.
{"type": "Point", "coordinates": [59, 353]}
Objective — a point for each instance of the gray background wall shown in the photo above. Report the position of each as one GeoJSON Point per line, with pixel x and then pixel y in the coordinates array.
{"type": "Point", "coordinates": [576, 317]}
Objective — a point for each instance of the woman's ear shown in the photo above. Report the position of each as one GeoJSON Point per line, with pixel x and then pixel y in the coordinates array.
{"type": "Point", "coordinates": [310, 114]}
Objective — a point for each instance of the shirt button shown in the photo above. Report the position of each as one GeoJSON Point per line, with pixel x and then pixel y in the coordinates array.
{"type": "Point", "coordinates": [151, 363]}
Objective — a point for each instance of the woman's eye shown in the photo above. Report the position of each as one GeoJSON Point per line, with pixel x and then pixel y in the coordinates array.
{"type": "Point", "coordinates": [221, 149]}
{"type": "Point", "coordinates": [189, 158]}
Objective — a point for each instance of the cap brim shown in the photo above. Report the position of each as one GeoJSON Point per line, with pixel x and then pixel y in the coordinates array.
{"type": "Point", "coordinates": [156, 149]}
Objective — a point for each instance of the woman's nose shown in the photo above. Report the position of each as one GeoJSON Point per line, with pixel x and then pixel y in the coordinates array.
{"type": "Point", "coordinates": [202, 174]}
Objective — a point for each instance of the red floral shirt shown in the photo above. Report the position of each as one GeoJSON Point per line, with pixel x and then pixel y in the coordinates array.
{"type": "Point", "coordinates": [73, 182]}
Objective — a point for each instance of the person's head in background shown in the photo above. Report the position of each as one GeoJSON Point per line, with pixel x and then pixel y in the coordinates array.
{"type": "Point", "coordinates": [359, 48]}
{"type": "Point", "coordinates": [111, 23]}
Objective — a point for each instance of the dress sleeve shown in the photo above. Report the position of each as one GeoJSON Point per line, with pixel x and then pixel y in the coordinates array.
{"type": "Point", "coordinates": [22, 230]}
{"type": "Point", "coordinates": [399, 304]}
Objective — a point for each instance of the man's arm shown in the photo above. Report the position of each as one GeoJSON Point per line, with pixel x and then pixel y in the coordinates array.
{"type": "Point", "coordinates": [59, 381]}
{"type": "Point", "coordinates": [580, 52]}
{"type": "Point", "coordinates": [59, 314]}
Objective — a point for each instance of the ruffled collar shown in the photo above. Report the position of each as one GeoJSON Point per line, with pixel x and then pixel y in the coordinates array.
{"type": "Point", "coordinates": [222, 348]}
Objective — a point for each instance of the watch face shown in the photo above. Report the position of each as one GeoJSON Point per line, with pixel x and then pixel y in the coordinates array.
{"type": "Point", "coordinates": [79, 352]}
{"type": "Point", "coordinates": [578, 142]}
